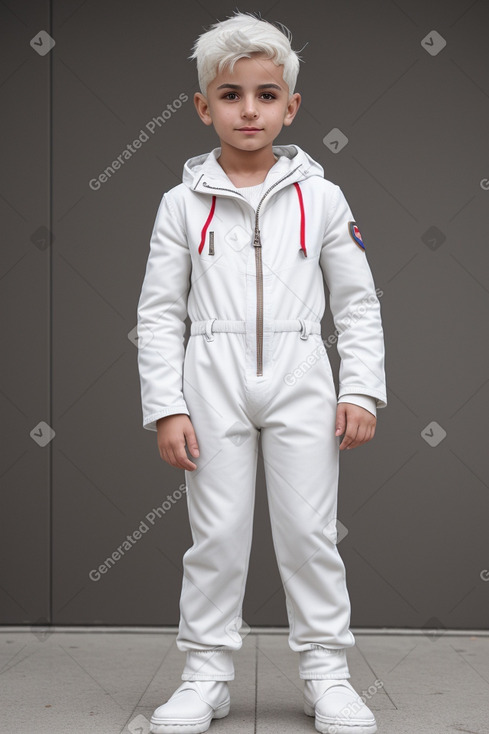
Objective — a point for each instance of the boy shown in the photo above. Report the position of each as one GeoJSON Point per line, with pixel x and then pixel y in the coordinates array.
{"type": "Point", "coordinates": [243, 246]}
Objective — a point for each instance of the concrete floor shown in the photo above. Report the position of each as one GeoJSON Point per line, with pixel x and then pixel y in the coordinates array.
{"type": "Point", "coordinates": [86, 681]}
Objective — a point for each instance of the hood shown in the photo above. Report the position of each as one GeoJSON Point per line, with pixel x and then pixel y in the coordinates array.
{"type": "Point", "coordinates": [205, 175]}
{"type": "Point", "coordinates": [205, 168]}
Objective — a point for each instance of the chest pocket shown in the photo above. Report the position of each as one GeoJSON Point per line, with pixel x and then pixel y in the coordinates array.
{"type": "Point", "coordinates": [223, 243]}
{"type": "Point", "coordinates": [229, 244]}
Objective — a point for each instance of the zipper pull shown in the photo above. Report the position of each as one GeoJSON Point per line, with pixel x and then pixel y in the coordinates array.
{"type": "Point", "coordinates": [211, 243]}
{"type": "Point", "coordinates": [256, 241]}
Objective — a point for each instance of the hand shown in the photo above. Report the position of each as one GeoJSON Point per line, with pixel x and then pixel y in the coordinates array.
{"type": "Point", "coordinates": [357, 423]}
{"type": "Point", "coordinates": [172, 432]}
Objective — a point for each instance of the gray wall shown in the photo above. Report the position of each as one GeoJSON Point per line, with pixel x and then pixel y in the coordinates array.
{"type": "Point", "coordinates": [415, 171]}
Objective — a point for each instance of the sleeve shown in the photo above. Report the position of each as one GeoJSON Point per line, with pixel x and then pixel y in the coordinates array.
{"type": "Point", "coordinates": [364, 401]}
{"type": "Point", "coordinates": [161, 314]}
{"type": "Point", "coordinates": [354, 305]}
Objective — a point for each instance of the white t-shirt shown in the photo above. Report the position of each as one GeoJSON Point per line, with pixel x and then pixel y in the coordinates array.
{"type": "Point", "coordinates": [252, 193]}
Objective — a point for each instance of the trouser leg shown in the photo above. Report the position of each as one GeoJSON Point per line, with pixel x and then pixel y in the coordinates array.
{"type": "Point", "coordinates": [220, 501]}
{"type": "Point", "coordinates": [301, 460]}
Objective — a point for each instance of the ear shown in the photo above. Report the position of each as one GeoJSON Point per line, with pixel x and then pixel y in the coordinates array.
{"type": "Point", "coordinates": [202, 107]}
{"type": "Point", "coordinates": [292, 108]}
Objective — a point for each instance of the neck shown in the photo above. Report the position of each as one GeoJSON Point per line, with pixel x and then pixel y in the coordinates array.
{"type": "Point", "coordinates": [245, 163]}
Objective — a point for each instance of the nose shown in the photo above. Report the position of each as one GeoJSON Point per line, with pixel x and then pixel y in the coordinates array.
{"type": "Point", "coordinates": [249, 106]}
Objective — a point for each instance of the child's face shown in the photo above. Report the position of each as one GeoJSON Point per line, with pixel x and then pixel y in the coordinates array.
{"type": "Point", "coordinates": [253, 95]}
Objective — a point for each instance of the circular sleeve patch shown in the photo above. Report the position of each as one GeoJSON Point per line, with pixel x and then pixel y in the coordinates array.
{"type": "Point", "coordinates": [355, 235]}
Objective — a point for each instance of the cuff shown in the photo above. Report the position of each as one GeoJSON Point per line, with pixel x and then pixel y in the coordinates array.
{"type": "Point", "coordinates": [321, 663]}
{"type": "Point", "coordinates": [364, 401]}
{"type": "Point", "coordinates": [209, 665]}
{"type": "Point", "coordinates": [149, 421]}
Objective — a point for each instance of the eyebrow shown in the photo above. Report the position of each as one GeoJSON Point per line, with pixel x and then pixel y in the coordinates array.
{"type": "Point", "coordinates": [260, 86]}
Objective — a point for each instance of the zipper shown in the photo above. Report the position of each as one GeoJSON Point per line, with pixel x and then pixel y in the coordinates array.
{"type": "Point", "coordinates": [220, 188]}
{"type": "Point", "coordinates": [258, 268]}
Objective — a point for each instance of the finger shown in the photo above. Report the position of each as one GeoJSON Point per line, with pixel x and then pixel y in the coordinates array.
{"type": "Point", "coordinates": [174, 458]}
{"type": "Point", "coordinates": [359, 438]}
{"type": "Point", "coordinates": [349, 437]}
{"type": "Point", "coordinates": [192, 444]}
{"type": "Point", "coordinates": [183, 462]}
{"type": "Point", "coordinates": [171, 457]}
{"type": "Point", "coordinates": [340, 424]}
{"type": "Point", "coordinates": [370, 432]}
{"type": "Point", "coordinates": [354, 436]}
{"type": "Point", "coordinates": [366, 436]}
{"type": "Point", "coordinates": [164, 454]}
{"type": "Point", "coordinates": [346, 439]}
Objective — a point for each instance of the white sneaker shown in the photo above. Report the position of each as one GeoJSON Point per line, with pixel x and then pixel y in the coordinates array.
{"type": "Point", "coordinates": [337, 707]}
{"type": "Point", "coordinates": [192, 707]}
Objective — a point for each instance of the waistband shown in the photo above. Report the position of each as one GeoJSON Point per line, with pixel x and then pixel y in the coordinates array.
{"type": "Point", "coordinates": [209, 326]}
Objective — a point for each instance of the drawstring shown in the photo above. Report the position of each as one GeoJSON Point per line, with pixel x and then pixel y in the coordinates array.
{"type": "Point", "coordinates": [206, 225]}
{"type": "Point", "coordinates": [303, 221]}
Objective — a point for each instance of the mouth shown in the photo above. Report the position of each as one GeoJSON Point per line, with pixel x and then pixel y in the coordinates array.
{"type": "Point", "coordinates": [250, 129]}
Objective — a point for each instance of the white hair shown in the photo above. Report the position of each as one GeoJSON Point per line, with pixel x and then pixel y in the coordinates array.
{"type": "Point", "coordinates": [241, 35]}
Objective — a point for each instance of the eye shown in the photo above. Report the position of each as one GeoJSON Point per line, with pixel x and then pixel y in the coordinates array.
{"type": "Point", "coordinates": [226, 96]}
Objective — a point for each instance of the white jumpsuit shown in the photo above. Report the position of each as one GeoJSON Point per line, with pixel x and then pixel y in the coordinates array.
{"type": "Point", "coordinates": [252, 284]}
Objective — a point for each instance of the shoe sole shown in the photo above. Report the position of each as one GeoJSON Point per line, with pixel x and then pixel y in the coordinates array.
{"type": "Point", "coordinates": [329, 728]}
{"type": "Point", "coordinates": [197, 727]}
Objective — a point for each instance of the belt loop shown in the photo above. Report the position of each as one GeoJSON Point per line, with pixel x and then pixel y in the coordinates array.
{"type": "Point", "coordinates": [304, 331]}
{"type": "Point", "coordinates": [208, 329]}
